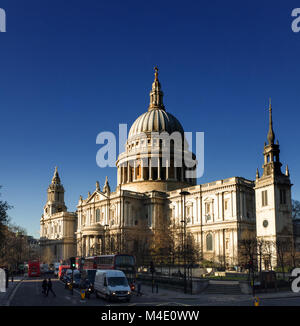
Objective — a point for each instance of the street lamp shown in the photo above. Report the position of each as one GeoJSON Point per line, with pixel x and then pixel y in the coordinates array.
{"type": "Point", "coordinates": [105, 229]}
{"type": "Point", "coordinates": [183, 221]}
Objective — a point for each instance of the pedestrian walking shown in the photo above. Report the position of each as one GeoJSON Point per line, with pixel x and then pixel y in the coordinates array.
{"type": "Point", "coordinates": [139, 287]}
{"type": "Point", "coordinates": [49, 287]}
{"type": "Point", "coordinates": [44, 286]}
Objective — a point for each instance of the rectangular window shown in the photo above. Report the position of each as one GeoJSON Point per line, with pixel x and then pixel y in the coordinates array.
{"type": "Point", "coordinates": [264, 198]}
{"type": "Point", "coordinates": [207, 208]}
{"type": "Point", "coordinates": [226, 206]}
{"type": "Point", "coordinates": [98, 215]}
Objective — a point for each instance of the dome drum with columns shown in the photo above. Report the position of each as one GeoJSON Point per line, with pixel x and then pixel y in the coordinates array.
{"type": "Point", "coordinates": [149, 160]}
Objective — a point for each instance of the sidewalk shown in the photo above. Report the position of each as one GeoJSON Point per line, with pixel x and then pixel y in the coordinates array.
{"type": "Point", "coordinates": [164, 293]}
{"type": "Point", "coordinates": [5, 296]}
{"type": "Point", "coordinates": [278, 295]}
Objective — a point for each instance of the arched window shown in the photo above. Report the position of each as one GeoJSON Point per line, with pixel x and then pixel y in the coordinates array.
{"type": "Point", "coordinates": [209, 242]}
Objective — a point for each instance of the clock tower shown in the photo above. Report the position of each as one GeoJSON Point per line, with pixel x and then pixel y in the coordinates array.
{"type": "Point", "coordinates": [273, 200]}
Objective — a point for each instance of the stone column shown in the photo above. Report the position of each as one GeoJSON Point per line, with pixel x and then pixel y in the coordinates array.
{"type": "Point", "coordinates": [124, 174]}
{"type": "Point", "coordinates": [88, 245]}
{"type": "Point", "coordinates": [167, 169]}
{"type": "Point", "coordinates": [222, 198]}
{"type": "Point", "coordinates": [150, 168]}
{"type": "Point", "coordinates": [118, 175]}
{"type": "Point", "coordinates": [142, 169]}
{"type": "Point", "coordinates": [82, 246]}
{"type": "Point", "coordinates": [128, 171]}
{"type": "Point", "coordinates": [231, 202]}
{"type": "Point", "coordinates": [158, 169]}
{"type": "Point", "coordinates": [134, 171]}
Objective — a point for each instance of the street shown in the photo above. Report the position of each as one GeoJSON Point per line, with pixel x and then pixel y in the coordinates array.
{"type": "Point", "coordinates": [29, 293]}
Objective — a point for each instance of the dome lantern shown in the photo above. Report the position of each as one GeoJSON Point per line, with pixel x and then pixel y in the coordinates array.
{"type": "Point", "coordinates": [156, 94]}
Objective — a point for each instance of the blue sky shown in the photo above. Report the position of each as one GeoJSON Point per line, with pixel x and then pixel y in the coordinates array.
{"type": "Point", "coordinates": [71, 69]}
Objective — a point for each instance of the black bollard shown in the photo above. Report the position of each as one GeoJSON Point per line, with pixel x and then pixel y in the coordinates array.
{"type": "Point", "coordinates": [7, 277]}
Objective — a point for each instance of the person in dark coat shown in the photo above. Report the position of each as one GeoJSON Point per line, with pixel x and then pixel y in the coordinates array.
{"type": "Point", "coordinates": [139, 287]}
{"type": "Point", "coordinates": [44, 286]}
{"type": "Point", "coordinates": [49, 287]}
{"type": "Point", "coordinates": [6, 277]}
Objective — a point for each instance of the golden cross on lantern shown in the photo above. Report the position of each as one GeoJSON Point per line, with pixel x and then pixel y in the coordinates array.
{"type": "Point", "coordinates": [156, 72]}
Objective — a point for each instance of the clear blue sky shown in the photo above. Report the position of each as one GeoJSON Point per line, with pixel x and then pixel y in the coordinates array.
{"type": "Point", "coordinates": [71, 69]}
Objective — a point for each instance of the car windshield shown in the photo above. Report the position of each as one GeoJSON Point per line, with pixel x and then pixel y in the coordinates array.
{"type": "Point", "coordinates": [116, 281]}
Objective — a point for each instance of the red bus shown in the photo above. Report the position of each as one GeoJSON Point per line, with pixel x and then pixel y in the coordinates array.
{"type": "Point", "coordinates": [62, 269]}
{"type": "Point", "coordinates": [122, 262]}
{"type": "Point", "coordinates": [34, 268]}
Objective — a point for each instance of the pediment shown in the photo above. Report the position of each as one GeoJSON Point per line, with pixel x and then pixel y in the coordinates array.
{"type": "Point", "coordinates": [96, 196]}
{"type": "Point", "coordinates": [208, 199]}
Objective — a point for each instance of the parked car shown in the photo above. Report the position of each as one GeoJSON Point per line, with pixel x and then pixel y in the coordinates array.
{"type": "Point", "coordinates": [112, 285]}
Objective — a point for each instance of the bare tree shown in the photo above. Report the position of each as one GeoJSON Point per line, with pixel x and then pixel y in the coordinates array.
{"type": "Point", "coordinates": [295, 209]}
{"type": "Point", "coordinates": [4, 220]}
{"type": "Point", "coordinates": [293, 253]}
{"type": "Point", "coordinates": [269, 254]}
{"type": "Point", "coordinates": [282, 250]}
{"type": "Point", "coordinates": [15, 250]}
{"type": "Point", "coordinates": [260, 252]}
{"type": "Point", "coordinates": [248, 246]}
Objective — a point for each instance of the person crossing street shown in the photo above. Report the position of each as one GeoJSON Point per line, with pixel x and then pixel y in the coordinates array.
{"type": "Point", "coordinates": [45, 286]}
{"type": "Point", "coordinates": [49, 287]}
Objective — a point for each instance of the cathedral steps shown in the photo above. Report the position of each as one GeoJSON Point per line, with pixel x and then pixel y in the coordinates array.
{"type": "Point", "coordinates": [222, 287]}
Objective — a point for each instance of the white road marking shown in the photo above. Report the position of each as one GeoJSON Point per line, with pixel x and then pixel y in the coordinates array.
{"type": "Point", "coordinates": [13, 293]}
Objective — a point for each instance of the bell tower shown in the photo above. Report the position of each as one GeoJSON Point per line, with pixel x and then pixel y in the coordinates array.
{"type": "Point", "coordinates": [55, 196]}
{"type": "Point", "coordinates": [273, 197]}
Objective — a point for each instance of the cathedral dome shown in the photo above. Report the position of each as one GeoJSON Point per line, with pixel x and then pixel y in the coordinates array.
{"type": "Point", "coordinates": [151, 161]}
{"type": "Point", "coordinates": [155, 120]}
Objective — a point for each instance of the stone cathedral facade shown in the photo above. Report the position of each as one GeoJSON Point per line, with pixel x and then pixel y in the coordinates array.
{"type": "Point", "coordinates": [218, 214]}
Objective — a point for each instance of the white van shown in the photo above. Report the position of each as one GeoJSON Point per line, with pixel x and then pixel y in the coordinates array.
{"type": "Point", "coordinates": [112, 284]}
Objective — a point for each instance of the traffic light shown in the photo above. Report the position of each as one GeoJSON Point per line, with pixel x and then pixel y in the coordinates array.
{"type": "Point", "coordinates": [152, 269]}
{"type": "Point", "coordinates": [72, 263]}
{"type": "Point", "coordinates": [250, 264]}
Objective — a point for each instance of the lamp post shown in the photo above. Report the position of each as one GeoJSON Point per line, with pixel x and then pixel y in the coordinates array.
{"type": "Point", "coordinates": [183, 221]}
{"type": "Point", "coordinates": [107, 219]}
{"type": "Point", "coordinates": [105, 230]}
